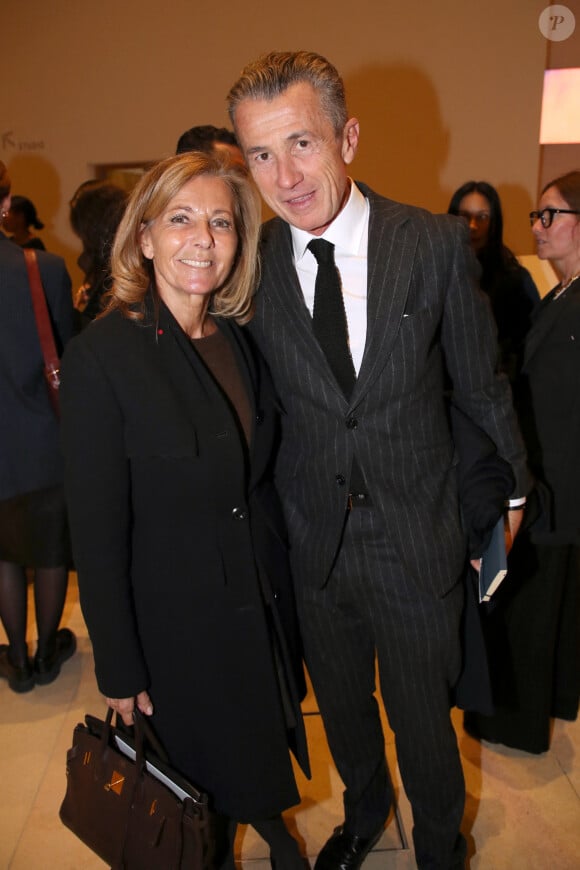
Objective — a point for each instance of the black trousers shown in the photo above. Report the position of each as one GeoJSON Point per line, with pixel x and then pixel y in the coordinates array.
{"type": "Point", "coordinates": [370, 607]}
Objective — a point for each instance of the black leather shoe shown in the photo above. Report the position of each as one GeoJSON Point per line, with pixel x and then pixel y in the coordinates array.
{"type": "Point", "coordinates": [20, 679]}
{"type": "Point", "coordinates": [47, 669]}
{"type": "Point", "coordinates": [344, 851]}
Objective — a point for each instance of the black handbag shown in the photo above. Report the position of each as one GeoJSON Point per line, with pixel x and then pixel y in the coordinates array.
{"type": "Point", "coordinates": [125, 802]}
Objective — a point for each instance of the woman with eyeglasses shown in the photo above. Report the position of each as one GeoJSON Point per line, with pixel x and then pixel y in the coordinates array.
{"type": "Point", "coordinates": [536, 622]}
{"type": "Point", "coordinates": [510, 288]}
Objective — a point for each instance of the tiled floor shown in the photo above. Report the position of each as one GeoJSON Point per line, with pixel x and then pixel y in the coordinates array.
{"type": "Point", "coordinates": [523, 812]}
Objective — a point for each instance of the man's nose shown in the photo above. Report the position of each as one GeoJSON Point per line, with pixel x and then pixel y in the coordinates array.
{"type": "Point", "coordinates": [289, 173]}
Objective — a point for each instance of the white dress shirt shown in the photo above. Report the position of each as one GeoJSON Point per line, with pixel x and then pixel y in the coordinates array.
{"type": "Point", "coordinates": [349, 234]}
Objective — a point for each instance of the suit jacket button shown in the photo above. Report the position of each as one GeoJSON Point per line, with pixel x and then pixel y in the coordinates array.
{"type": "Point", "coordinates": [239, 513]}
{"type": "Point", "coordinates": [259, 417]}
{"type": "Point", "coordinates": [340, 479]}
{"type": "Point", "coordinates": [351, 423]}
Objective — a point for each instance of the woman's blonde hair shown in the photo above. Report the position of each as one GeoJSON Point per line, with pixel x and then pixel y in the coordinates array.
{"type": "Point", "coordinates": [132, 274]}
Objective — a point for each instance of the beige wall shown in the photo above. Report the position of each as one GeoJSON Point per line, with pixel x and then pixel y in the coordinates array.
{"type": "Point", "coordinates": [445, 91]}
{"type": "Point", "coordinates": [555, 160]}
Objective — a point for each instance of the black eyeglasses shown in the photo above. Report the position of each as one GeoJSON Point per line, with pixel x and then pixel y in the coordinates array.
{"type": "Point", "coordinates": [546, 215]}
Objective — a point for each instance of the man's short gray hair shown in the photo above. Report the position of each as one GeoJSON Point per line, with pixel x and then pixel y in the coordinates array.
{"type": "Point", "coordinates": [271, 74]}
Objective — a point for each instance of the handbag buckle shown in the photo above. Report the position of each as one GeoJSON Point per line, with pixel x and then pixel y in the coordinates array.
{"type": "Point", "coordinates": [117, 782]}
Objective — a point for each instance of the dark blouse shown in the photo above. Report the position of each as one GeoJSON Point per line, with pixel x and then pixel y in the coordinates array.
{"type": "Point", "coordinates": [217, 354]}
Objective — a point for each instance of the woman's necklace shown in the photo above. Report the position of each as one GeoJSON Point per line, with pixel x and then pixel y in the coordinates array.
{"type": "Point", "coordinates": [564, 287]}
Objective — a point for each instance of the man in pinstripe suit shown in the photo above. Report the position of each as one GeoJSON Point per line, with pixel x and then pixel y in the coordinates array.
{"type": "Point", "coordinates": [368, 477]}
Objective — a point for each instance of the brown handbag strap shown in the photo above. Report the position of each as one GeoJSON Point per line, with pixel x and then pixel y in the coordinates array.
{"type": "Point", "coordinates": [43, 324]}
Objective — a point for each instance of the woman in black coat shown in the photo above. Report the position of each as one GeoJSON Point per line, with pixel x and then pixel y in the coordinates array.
{"type": "Point", "coordinates": [534, 629]}
{"type": "Point", "coordinates": [33, 528]}
{"type": "Point", "coordinates": [168, 426]}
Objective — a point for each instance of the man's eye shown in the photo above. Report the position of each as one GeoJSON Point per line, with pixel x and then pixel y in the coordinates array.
{"type": "Point", "coordinates": [262, 157]}
{"type": "Point", "coordinates": [302, 145]}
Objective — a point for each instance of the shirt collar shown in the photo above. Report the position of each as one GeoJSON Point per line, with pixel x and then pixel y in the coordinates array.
{"type": "Point", "coordinates": [345, 232]}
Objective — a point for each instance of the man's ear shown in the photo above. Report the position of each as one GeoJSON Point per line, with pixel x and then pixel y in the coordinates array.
{"type": "Point", "coordinates": [350, 136]}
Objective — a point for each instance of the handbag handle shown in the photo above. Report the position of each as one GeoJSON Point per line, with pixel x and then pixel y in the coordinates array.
{"type": "Point", "coordinates": [43, 324]}
{"type": "Point", "coordinates": [144, 737]}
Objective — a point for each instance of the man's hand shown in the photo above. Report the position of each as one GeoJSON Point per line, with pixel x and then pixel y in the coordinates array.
{"type": "Point", "coordinates": [512, 526]}
{"type": "Point", "coordinates": [514, 521]}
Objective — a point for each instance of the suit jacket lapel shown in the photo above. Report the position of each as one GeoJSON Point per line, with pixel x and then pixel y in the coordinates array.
{"type": "Point", "coordinates": [218, 409]}
{"type": "Point", "coordinates": [391, 253]}
{"type": "Point", "coordinates": [284, 292]}
{"type": "Point", "coordinates": [175, 352]}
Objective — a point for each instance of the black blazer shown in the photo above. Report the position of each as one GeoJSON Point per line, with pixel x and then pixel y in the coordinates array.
{"type": "Point", "coordinates": [30, 456]}
{"type": "Point", "coordinates": [424, 314]}
{"type": "Point", "coordinates": [180, 550]}
{"type": "Point", "coordinates": [548, 400]}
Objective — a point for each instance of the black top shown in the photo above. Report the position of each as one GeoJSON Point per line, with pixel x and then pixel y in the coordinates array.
{"type": "Point", "coordinates": [35, 243]}
{"type": "Point", "coordinates": [217, 354]}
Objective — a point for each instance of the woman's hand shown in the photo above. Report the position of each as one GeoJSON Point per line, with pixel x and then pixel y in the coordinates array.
{"type": "Point", "coordinates": [125, 706]}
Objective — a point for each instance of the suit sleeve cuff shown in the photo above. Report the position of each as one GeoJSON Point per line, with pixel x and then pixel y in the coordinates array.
{"type": "Point", "coordinates": [516, 504]}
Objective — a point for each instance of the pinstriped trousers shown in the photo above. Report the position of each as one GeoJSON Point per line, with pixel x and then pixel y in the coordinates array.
{"type": "Point", "coordinates": [371, 607]}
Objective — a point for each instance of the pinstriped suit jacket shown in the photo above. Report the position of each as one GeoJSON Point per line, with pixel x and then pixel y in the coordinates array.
{"type": "Point", "coordinates": [425, 314]}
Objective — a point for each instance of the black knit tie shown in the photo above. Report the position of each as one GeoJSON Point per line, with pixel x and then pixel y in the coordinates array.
{"type": "Point", "coordinates": [329, 316]}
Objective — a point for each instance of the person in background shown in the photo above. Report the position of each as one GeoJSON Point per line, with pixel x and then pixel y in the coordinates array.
{"type": "Point", "coordinates": [534, 628]}
{"type": "Point", "coordinates": [169, 421]}
{"type": "Point", "coordinates": [510, 288]}
{"type": "Point", "coordinates": [33, 528]}
{"type": "Point", "coordinates": [21, 216]}
{"type": "Point", "coordinates": [95, 212]}
{"type": "Point", "coordinates": [363, 303]}
{"type": "Point", "coordinates": [208, 138]}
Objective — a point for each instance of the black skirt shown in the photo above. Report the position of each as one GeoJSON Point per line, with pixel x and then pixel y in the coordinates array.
{"type": "Point", "coordinates": [33, 529]}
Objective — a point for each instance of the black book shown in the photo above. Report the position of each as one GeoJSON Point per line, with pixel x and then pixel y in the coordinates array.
{"type": "Point", "coordinates": [493, 563]}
